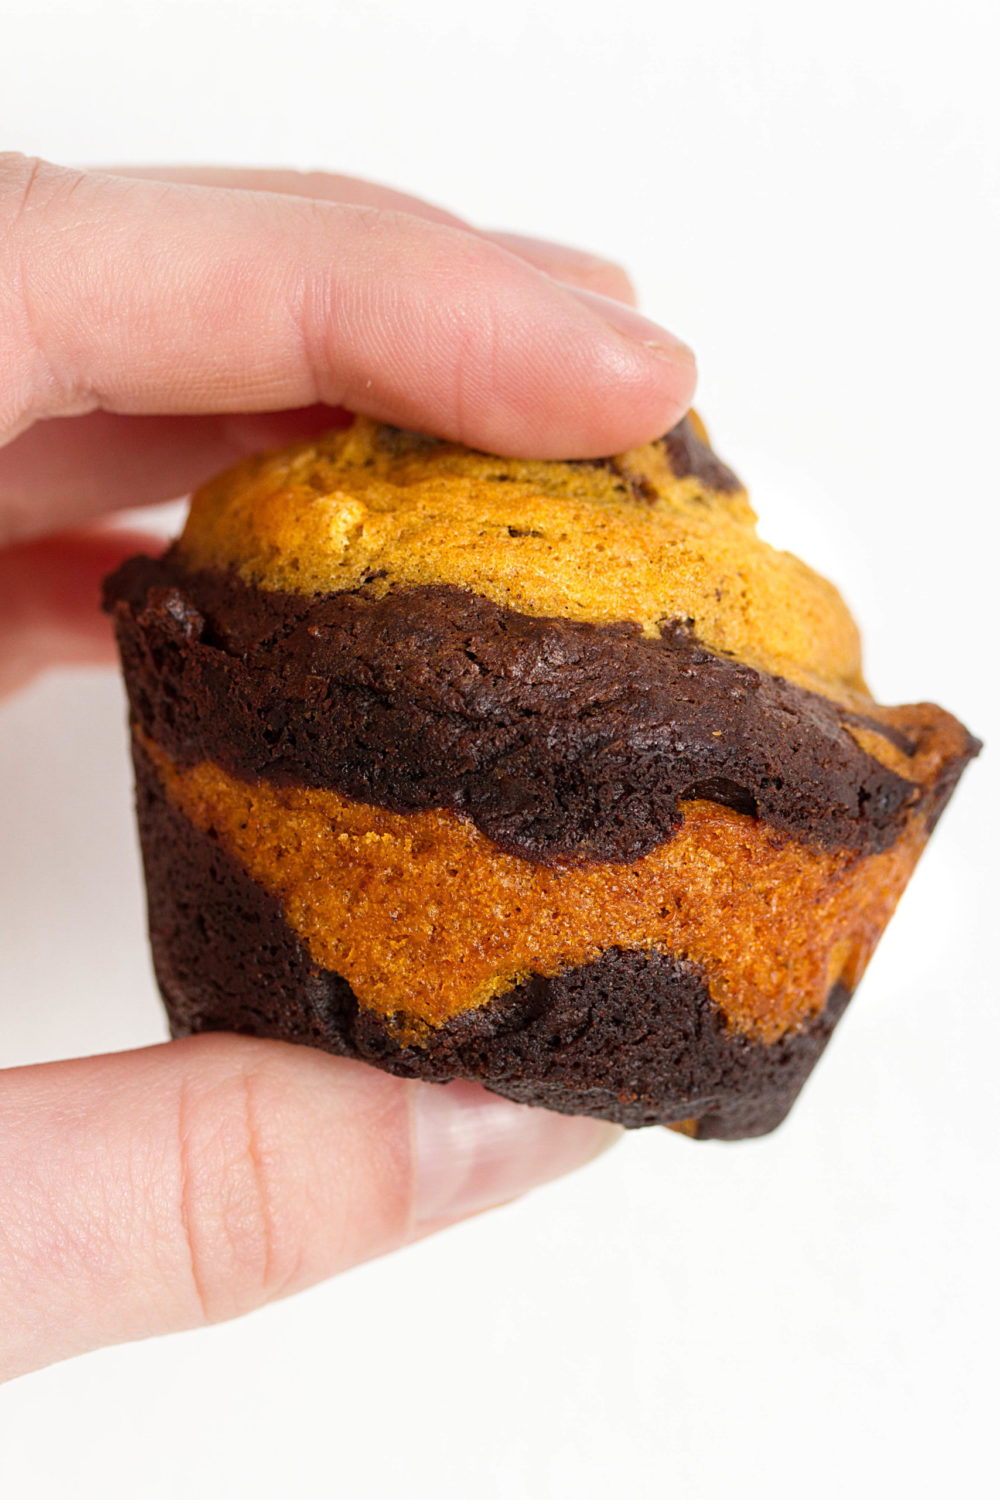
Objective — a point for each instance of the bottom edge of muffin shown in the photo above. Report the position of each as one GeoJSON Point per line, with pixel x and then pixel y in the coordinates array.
{"type": "Point", "coordinates": [633, 1036]}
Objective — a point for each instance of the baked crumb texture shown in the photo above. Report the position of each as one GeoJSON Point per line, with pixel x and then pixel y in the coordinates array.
{"type": "Point", "coordinates": [551, 775]}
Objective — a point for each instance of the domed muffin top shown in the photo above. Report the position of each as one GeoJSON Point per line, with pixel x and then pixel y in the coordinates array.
{"type": "Point", "coordinates": [663, 533]}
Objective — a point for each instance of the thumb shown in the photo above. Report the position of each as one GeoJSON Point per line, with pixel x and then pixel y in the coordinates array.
{"type": "Point", "coordinates": [151, 1191]}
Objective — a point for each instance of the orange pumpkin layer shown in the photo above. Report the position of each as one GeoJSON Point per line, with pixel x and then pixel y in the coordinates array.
{"type": "Point", "coordinates": [426, 918]}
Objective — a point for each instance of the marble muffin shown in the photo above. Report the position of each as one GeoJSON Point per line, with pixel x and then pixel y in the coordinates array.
{"type": "Point", "coordinates": [551, 775]}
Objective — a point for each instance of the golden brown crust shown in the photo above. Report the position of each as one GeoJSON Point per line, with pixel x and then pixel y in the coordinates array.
{"type": "Point", "coordinates": [426, 918]}
{"type": "Point", "coordinates": [626, 540]}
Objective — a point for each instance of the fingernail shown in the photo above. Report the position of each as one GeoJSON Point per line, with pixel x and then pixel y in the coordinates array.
{"type": "Point", "coordinates": [474, 1150]}
{"type": "Point", "coordinates": [625, 319]}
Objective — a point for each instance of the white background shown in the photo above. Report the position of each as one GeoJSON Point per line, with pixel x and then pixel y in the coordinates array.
{"type": "Point", "coordinates": [809, 195]}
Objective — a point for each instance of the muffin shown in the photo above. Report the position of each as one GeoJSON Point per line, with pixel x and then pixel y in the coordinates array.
{"type": "Point", "coordinates": [551, 775]}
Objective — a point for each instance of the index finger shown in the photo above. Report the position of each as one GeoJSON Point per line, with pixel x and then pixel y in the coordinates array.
{"type": "Point", "coordinates": [139, 296]}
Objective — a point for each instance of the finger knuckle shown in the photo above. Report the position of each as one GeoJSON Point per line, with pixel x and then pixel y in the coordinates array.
{"type": "Point", "coordinates": [234, 1225]}
{"type": "Point", "coordinates": [18, 176]}
{"type": "Point", "coordinates": [29, 187]}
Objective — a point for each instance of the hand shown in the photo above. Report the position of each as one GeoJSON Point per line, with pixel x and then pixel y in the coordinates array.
{"type": "Point", "coordinates": [154, 326]}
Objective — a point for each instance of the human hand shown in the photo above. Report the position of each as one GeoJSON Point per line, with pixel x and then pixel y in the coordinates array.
{"type": "Point", "coordinates": [154, 326]}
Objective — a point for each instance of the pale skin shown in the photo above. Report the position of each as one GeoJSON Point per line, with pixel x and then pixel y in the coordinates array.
{"type": "Point", "coordinates": [155, 325]}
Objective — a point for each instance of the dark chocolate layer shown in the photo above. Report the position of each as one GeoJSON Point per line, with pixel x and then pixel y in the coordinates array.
{"type": "Point", "coordinates": [687, 454]}
{"type": "Point", "coordinates": [556, 738]}
{"type": "Point", "coordinates": [631, 1037]}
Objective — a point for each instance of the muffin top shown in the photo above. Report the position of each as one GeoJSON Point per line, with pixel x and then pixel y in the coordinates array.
{"type": "Point", "coordinates": [658, 535]}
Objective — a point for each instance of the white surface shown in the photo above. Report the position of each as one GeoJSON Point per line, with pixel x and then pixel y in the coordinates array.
{"type": "Point", "coordinates": [812, 201]}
